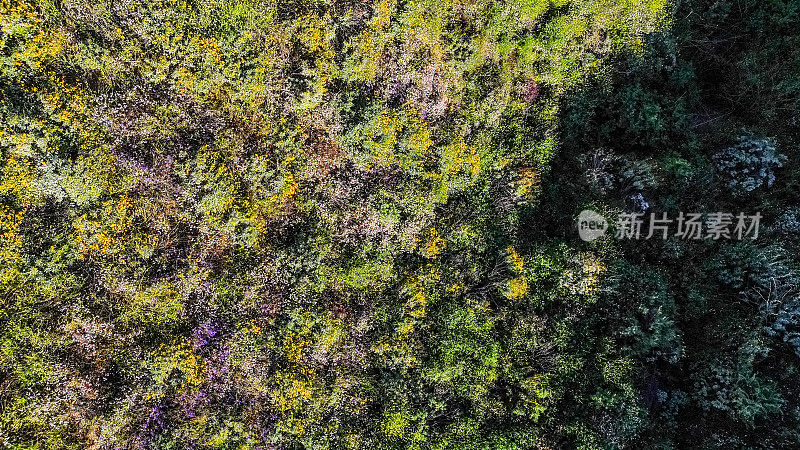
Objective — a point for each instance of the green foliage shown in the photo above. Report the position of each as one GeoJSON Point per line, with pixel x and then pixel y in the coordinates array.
{"type": "Point", "coordinates": [314, 224]}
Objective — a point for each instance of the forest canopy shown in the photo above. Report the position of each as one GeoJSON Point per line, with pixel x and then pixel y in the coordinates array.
{"type": "Point", "coordinates": [314, 224]}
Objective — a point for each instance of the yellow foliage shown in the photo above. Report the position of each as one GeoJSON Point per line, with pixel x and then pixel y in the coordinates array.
{"type": "Point", "coordinates": [517, 263]}
{"type": "Point", "coordinates": [517, 288]}
{"type": "Point", "coordinates": [370, 44]}
{"type": "Point", "coordinates": [10, 239]}
{"type": "Point", "coordinates": [253, 328]}
{"type": "Point", "coordinates": [294, 346]}
{"type": "Point", "coordinates": [287, 192]}
{"type": "Point", "coordinates": [293, 391]}
{"type": "Point", "coordinates": [179, 356]}
{"type": "Point", "coordinates": [157, 306]}
{"type": "Point", "coordinates": [395, 425]}
{"type": "Point", "coordinates": [528, 182]}
{"type": "Point", "coordinates": [457, 156]}
{"type": "Point", "coordinates": [433, 244]}
{"type": "Point", "coordinates": [416, 305]}
{"type": "Point", "coordinates": [17, 178]}
{"type": "Point", "coordinates": [382, 138]}
{"type": "Point", "coordinates": [108, 234]}
{"type": "Point", "coordinates": [593, 268]}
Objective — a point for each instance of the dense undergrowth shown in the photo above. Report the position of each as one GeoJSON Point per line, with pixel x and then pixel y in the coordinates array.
{"type": "Point", "coordinates": [314, 224]}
